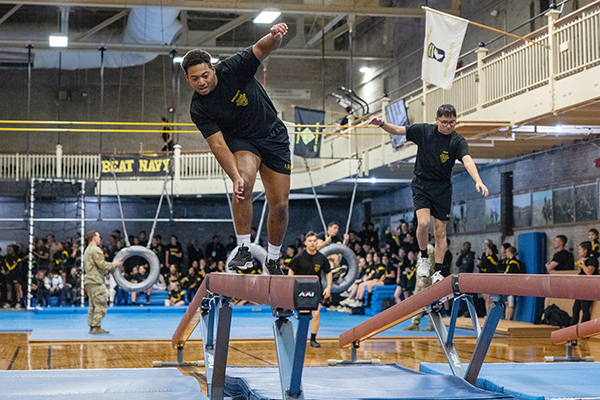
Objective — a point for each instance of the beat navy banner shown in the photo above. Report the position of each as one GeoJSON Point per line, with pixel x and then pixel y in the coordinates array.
{"type": "Point", "coordinates": [308, 139]}
{"type": "Point", "coordinates": [134, 166]}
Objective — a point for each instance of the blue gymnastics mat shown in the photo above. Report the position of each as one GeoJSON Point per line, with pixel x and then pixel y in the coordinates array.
{"type": "Point", "coordinates": [103, 384]}
{"type": "Point", "coordinates": [354, 382]}
{"type": "Point", "coordinates": [535, 381]}
{"type": "Point", "coordinates": [125, 323]}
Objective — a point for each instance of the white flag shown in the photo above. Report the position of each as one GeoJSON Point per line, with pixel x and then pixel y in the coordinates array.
{"type": "Point", "coordinates": [444, 36]}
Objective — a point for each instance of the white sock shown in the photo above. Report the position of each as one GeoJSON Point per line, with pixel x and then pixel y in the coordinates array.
{"type": "Point", "coordinates": [273, 252]}
{"type": "Point", "coordinates": [243, 240]}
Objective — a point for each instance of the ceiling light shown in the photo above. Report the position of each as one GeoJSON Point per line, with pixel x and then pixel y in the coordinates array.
{"type": "Point", "coordinates": [373, 180]}
{"type": "Point", "coordinates": [365, 69]}
{"type": "Point", "coordinates": [58, 40]}
{"type": "Point", "coordinates": [559, 128]}
{"type": "Point", "coordinates": [267, 16]}
{"type": "Point", "coordinates": [177, 60]}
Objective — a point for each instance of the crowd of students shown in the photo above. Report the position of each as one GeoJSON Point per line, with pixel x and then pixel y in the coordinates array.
{"type": "Point", "coordinates": [389, 260]}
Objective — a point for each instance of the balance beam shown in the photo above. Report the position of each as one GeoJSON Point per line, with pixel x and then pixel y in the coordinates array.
{"type": "Point", "coordinates": [579, 331]}
{"type": "Point", "coordinates": [559, 286]}
{"type": "Point", "coordinates": [289, 292]}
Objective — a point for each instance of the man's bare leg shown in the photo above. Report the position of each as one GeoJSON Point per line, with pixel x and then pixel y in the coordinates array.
{"type": "Point", "coordinates": [439, 231]}
{"type": "Point", "coordinates": [247, 164]}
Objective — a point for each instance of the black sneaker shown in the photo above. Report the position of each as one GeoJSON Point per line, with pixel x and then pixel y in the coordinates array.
{"type": "Point", "coordinates": [242, 260]}
{"type": "Point", "coordinates": [314, 343]}
{"type": "Point", "coordinates": [273, 267]}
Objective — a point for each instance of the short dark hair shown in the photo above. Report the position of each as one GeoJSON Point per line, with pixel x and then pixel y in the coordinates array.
{"type": "Point", "coordinates": [332, 223]}
{"type": "Point", "coordinates": [512, 250]}
{"type": "Point", "coordinates": [90, 236]}
{"type": "Point", "coordinates": [493, 248]}
{"type": "Point", "coordinates": [506, 245]}
{"type": "Point", "coordinates": [587, 246]}
{"type": "Point", "coordinates": [446, 110]}
{"type": "Point", "coordinates": [594, 231]}
{"type": "Point", "coordinates": [309, 234]}
{"type": "Point", "coordinates": [195, 57]}
{"type": "Point", "coordinates": [563, 239]}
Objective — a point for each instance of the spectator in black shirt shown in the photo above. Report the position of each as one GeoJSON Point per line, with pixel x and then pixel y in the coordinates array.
{"type": "Point", "coordinates": [593, 238]}
{"type": "Point", "coordinates": [231, 245]}
{"type": "Point", "coordinates": [562, 259]}
{"type": "Point", "coordinates": [174, 253]}
{"type": "Point", "coordinates": [466, 259]}
{"type": "Point", "coordinates": [439, 146]}
{"type": "Point", "coordinates": [72, 287]}
{"type": "Point", "coordinates": [588, 265]}
{"type": "Point", "coordinates": [331, 236]}
{"type": "Point", "coordinates": [139, 278]}
{"type": "Point", "coordinates": [38, 289]}
{"type": "Point", "coordinates": [194, 252]}
{"type": "Point", "coordinates": [216, 250]}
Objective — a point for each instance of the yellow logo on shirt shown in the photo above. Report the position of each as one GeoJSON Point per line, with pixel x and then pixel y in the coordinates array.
{"type": "Point", "coordinates": [317, 267]}
{"type": "Point", "coordinates": [240, 99]}
{"type": "Point", "coordinates": [444, 156]}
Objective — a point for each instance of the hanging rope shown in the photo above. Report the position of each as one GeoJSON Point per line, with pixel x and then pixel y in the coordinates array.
{"type": "Point", "coordinates": [162, 195]}
{"type": "Point", "coordinates": [315, 195]}
{"type": "Point", "coordinates": [353, 196]}
{"type": "Point", "coordinates": [112, 165]}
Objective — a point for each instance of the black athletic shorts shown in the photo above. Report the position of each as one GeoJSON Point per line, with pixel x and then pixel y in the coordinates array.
{"type": "Point", "coordinates": [436, 196]}
{"type": "Point", "coordinates": [273, 151]}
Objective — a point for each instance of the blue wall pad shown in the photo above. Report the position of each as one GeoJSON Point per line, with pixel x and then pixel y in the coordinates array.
{"type": "Point", "coordinates": [247, 323]}
{"type": "Point", "coordinates": [533, 381]}
{"type": "Point", "coordinates": [103, 384]}
{"type": "Point", "coordinates": [354, 382]}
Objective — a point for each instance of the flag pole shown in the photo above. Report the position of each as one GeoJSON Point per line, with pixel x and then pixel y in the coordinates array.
{"type": "Point", "coordinates": [487, 27]}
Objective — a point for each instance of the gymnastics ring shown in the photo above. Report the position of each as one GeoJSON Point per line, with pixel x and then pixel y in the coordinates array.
{"type": "Point", "coordinates": [153, 262]}
{"type": "Point", "coordinates": [257, 252]}
{"type": "Point", "coordinates": [348, 254]}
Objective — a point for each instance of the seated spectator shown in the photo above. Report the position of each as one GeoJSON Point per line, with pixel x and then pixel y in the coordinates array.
{"type": "Point", "coordinates": [173, 276]}
{"type": "Point", "coordinates": [407, 279]}
{"type": "Point", "coordinates": [38, 289]}
{"type": "Point", "coordinates": [60, 257]}
{"type": "Point", "coordinates": [409, 243]}
{"type": "Point", "coordinates": [138, 278]}
{"type": "Point", "coordinates": [54, 284]}
{"type": "Point", "coordinates": [562, 259]}
{"type": "Point", "coordinates": [72, 287]}
{"type": "Point", "coordinates": [176, 295]}
{"type": "Point", "coordinates": [211, 266]}
{"type": "Point", "coordinates": [158, 249]}
{"type": "Point", "coordinates": [390, 270]}
{"type": "Point", "coordinates": [489, 265]}
{"type": "Point", "coordinates": [588, 265]}
{"type": "Point", "coordinates": [593, 238]}
{"type": "Point", "coordinates": [191, 282]}
{"type": "Point", "coordinates": [466, 259]}
{"type": "Point", "coordinates": [351, 300]}
{"type": "Point", "coordinates": [215, 249]}
{"type": "Point", "coordinates": [41, 254]}
{"type": "Point", "coordinates": [513, 266]}
{"type": "Point", "coordinates": [221, 266]}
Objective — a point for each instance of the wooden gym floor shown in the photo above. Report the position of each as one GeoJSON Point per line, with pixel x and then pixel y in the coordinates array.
{"type": "Point", "coordinates": [16, 353]}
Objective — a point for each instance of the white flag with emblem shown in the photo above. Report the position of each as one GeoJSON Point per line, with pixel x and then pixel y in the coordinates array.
{"type": "Point", "coordinates": [444, 36]}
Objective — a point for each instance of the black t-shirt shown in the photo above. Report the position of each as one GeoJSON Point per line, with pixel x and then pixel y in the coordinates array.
{"type": "Point", "coordinates": [590, 262]}
{"type": "Point", "coordinates": [310, 264]}
{"type": "Point", "coordinates": [238, 106]}
{"type": "Point", "coordinates": [173, 259]}
{"type": "Point", "coordinates": [437, 152]}
{"type": "Point", "coordinates": [564, 259]}
{"type": "Point", "coordinates": [489, 264]}
{"type": "Point", "coordinates": [334, 239]}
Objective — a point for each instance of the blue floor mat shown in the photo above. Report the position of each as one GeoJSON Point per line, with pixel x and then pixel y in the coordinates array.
{"type": "Point", "coordinates": [535, 381]}
{"type": "Point", "coordinates": [103, 384]}
{"type": "Point", "coordinates": [376, 382]}
{"type": "Point", "coordinates": [130, 323]}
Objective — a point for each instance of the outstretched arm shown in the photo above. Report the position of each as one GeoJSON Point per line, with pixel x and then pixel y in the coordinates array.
{"type": "Point", "coordinates": [389, 128]}
{"type": "Point", "coordinates": [271, 42]}
{"type": "Point", "coordinates": [472, 170]}
{"type": "Point", "coordinates": [225, 157]}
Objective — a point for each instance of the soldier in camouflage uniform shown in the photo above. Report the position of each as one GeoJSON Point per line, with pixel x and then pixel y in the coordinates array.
{"type": "Point", "coordinates": [96, 268]}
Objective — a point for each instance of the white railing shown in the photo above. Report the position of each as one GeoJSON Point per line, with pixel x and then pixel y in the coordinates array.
{"type": "Point", "coordinates": [463, 94]}
{"type": "Point", "coordinates": [39, 165]}
{"type": "Point", "coordinates": [578, 43]}
{"type": "Point", "coordinates": [198, 166]}
{"type": "Point", "coordinates": [80, 167]}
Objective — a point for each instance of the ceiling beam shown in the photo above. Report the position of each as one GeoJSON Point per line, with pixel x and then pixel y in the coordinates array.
{"type": "Point", "coordinates": [323, 31]}
{"type": "Point", "coordinates": [234, 6]}
{"type": "Point", "coordinates": [223, 29]}
{"type": "Point", "coordinates": [215, 50]}
{"type": "Point", "coordinates": [9, 13]}
{"type": "Point", "coordinates": [102, 25]}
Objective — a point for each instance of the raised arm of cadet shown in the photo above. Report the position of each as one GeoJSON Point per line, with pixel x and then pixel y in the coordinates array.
{"type": "Point", "coordinates": [472, 170]}
{"type": "Point", "coordinates": [389, 128]}
{"type": "Point", "coordinates": [269, 43]}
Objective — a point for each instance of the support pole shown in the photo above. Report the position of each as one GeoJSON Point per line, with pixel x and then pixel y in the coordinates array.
{"type": "Point", "coordinates": [102, 50]}
{"type": "Point", "coordinates": [481, 53]}
{"type": "Point", "coordinates": [82, 242]}
{"type": "Point", "coordinates": [29, 47]}
{"type": "Point", "coordinates": [552, 64]}
{"type": "Point", "coordinates": [31, 236]}
{"type": "Point", "coordinates": [59, 154]}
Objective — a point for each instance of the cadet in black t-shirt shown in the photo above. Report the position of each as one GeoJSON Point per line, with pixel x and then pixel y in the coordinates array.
{"type": "Point", "coordinates": [324, 239]}
{"type": "Point", "coordinates": [562, 259]}
{"type": "Point", "coordinates": [439, 146]}
{"type": "Point", "coordinates": [311, 262]}
{"type": "Point", "coordinates": [588, 266]}
{"type": "Point", "coordinates": [238, 120]}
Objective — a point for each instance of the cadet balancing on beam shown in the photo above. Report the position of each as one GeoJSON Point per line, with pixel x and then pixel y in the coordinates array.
{"type": "Point", "coordinates": [439, 146]}
{"type": "Point", "coordinates": [240, 124]}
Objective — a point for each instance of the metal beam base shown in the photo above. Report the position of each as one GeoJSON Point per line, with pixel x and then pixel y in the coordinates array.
{"type": "Point", "coordinates": [179, 362]}
{"type": "Point", "coordinates": [353, 360]}
{"type": "Point", "coordinates": [569, 356]}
